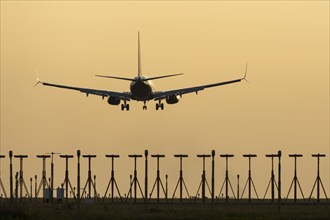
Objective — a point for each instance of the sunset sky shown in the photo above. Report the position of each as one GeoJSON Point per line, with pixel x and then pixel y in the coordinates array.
{"type": "Point", "coordinates": [285, 105]}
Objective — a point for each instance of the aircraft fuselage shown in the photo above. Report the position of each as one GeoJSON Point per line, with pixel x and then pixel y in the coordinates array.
{"type": "Point", "coordinates": [141, 90]}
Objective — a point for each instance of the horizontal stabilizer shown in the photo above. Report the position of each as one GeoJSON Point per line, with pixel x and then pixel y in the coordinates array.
{"type": "Point", "coordinates": [115, 77]}
{"type": "Point", "coordinates": [159, 77]}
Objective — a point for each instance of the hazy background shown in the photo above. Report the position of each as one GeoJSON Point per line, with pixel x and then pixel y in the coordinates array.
{"type": "Point", "coordinates": [284, 107]}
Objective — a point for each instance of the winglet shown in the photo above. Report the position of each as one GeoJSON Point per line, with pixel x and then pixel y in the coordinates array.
{"type": "Point", "coordinates": [244, 78]}
{"type": "Point", "coordinates": [38, 81]}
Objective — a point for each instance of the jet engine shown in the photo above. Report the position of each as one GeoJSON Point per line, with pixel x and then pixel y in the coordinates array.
{"type": "Point", "coordinates": [172, 99]}
{"type": "Point", "coordinates": [113, 100]}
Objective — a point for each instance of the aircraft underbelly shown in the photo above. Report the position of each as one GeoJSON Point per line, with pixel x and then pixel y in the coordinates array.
{"type": "Point", "coordinates": [141, 91]}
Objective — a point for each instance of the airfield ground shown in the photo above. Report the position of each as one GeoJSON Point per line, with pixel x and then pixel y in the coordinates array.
{"type": "Point", "coordinates": [187, 210]}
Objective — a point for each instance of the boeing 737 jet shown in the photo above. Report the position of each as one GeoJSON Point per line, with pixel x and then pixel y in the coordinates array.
{"type": "Point", "coordinates": [142, 89]}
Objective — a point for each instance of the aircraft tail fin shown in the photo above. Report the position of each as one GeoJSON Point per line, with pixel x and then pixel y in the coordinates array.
{"type": "Point", "coordinates": [139, 56]}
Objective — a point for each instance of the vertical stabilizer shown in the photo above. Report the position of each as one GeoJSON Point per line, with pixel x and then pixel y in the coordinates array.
{"type": "Point", "coordinates": [139, 56]}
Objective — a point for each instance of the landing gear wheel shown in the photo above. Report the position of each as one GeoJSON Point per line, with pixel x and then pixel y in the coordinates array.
{"type": "Point", "coordinates": [157, 106]}
{"type": "Point", "coordinates": [162, 106]}
{"type": "Point", "coordinates": [125, 106]}
{"type": "Point", "coordinates": [144, 107]}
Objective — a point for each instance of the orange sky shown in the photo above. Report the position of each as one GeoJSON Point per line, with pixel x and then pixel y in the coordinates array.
{"type": "Point", "coordinates": [285, 106]}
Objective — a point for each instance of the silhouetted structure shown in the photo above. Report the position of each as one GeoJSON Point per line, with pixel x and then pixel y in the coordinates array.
{"type": "Point", "coordinates": [78, 178]}
{"type": "Point", "coordinates": [89, 181]}
{"type": "Point", "coordinates": [21, 181]}
{"type": "Point", "coordinates": [146, 179]}
{"type": "Point", "coordinates": [318, 179]}
{"type": "Point", "coordinates": [295, 179]}
{"type": "Point", "coordinates": [227, 180]}
{"type": "Point", "coordinates": [43, 182]}
{"type": "Point", "coordinates": [135, 180]}
{"type": "Point", "coordinates": [1, 184]}
{"type": "Point", "coordinates": [16, 185]}
{"type": "Point", "coordinates": [249, 180]}
{"type": "Point", "coordinates": [237, 187]}
{"type": "Point", "coordinates": [158, 180]}
{"type": "Point", "coordinates": [203, 181]}
{"type": "Point", "coordinates": [112, 181]}
{"type": "Point", "coordinates": [181, 180]}
{"type": "Point", "coordinates": [212, 178]}
{"type": "Point", "coordinates": [66, 178]}
{"type": "Point", "coordinates": [279, 181]}
{"type": "Point", "coordinates": [31, 188]}
{"type": "Point", "coordinates": [272, 181]}
{"type": "Point", "coordinates": [11, 175]}
{"type": "Point", "coordinates": [52, 175]}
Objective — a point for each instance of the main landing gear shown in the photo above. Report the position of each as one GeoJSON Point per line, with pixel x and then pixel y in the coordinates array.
{"type": "Point", "coordinates": [125, 106]}
{"type": "Point", "coordinates": [159, 106]}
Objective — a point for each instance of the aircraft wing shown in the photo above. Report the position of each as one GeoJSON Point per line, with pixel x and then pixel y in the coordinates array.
{"type": "Point", "coordinates": [103, 93]}
{"type": "Point", "coordinates": [180, 92]}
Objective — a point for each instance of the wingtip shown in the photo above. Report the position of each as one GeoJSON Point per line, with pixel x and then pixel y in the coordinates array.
{"type": "Point", "coordinates": [38, 82]}
{"type": "Point", "coordinates": [245, 74]}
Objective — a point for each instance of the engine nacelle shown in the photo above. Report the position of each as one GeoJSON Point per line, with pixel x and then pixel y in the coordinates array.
{"type": "Point", "coordinates": [113, 100]}
{"type": "Point", "coordinates": [172, 99]}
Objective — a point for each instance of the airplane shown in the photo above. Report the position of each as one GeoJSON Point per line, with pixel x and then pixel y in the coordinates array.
{"type": "Point", "coordinates": [142, 89]}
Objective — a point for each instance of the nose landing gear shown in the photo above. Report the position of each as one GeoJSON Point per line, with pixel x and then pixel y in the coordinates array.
{"type": "Point", "coordinates": [144, 106]}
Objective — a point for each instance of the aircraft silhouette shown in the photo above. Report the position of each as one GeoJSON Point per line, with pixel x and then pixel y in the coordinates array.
{"type": "Point", "coordinates": [142, 89]}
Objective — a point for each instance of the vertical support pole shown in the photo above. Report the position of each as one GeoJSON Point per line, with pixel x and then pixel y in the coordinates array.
{"type": "Point", "coordinates": [130, 183]}
{"type": "Point", "coordinates": [237, 187]}
{"type": "Point", "coordinates": [44, 179]}
{"type": "Point", "coordinates": [249, 179]}
{"type": "Point", "coordinates": [135, 177]}
{"type": "Point", "coordinates": [181, 178]}
{"type": "Point", "coordinates": [158, 177]}
{"type": "Point", "coordinates": [89, 181]}
{"type": "Point", "coordinates": [166, 187]}
{"type": "Point", "coordinates": [51, 179]}
{"type": "Point", "coordinates": [16, 185]}
{"type": "Point", "coordinates": [273, 181]}
{"type": "Point", "coordinates": [78, 178]}
{"type": "Point", "coordinates": [66, 178]}
{"type": "Point", "coordinates": [112, 177]}
{"type": "Point", "coordinates": [95, 193]}
{"type": "Point", "coordinates": [279, 180]}
{"type": "Point", "coordinates": [295, 179]}
{"type": "Point", "coordinates": [35, 186]}
{"type": "Point", "coordinates": [318, 180]}
{"type": "Point", "coordinates": [203, 183]}
{"type": "Point", "coordinates": [272, 178]}
{"type": "Point", "coordinates": [112, 181]}
{"type": "Point", "coordinates": [31, 188]}
{"type": "Point", "coordinates": [227, 178]}
{"type": "Point", "coordinates": [146, 180]}
{"type": "Point", "coordinates": [89, 177]}
{"type": "Point", "coordinates": [20, 179]}
{"type": "Point", "coordinates": [212, 179]}
{"type": "Point", "coordinates": [11, 174]}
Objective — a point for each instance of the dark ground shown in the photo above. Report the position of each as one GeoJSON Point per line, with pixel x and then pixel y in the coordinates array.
{"type": "Point", "coordinates": [188, 210]}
